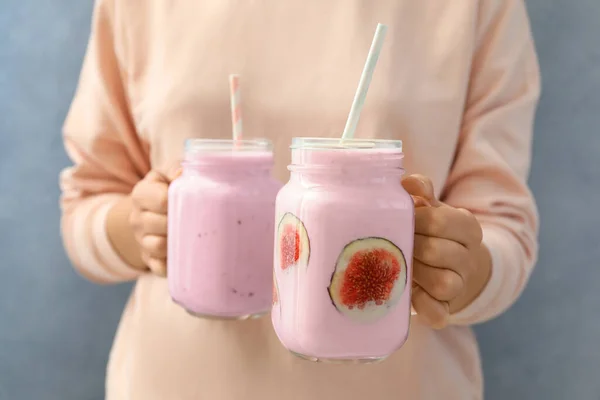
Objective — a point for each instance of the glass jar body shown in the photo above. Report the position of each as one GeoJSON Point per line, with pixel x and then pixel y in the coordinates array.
{"type": "Point", "coordinates": [343, 254]}
{"type": "Point", "coordinates": [220, 233]}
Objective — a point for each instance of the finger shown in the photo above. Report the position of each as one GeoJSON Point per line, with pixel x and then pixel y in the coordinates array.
{"type": "Point", "coordinates": [420, 202]}
{"type": "Point", "coordinates": [151, 196]}
{"type": "Point", "coordinates": [477, 232]}
{"type": "Point", "coordinates": [441, 253]}
{"type": "Point", "coordinates": [155, 246]}
{"type": "Point", "coordinates": [421, 186]}
{"type": "Point", "coordinates": [135, 218]}
{"type": "Point", "coordinates": [431, 312]}
{"type": "Point", "coordinates": [153, 223]}
{"type": "Point", "coordinates": [135, 221]}
{"type": "Point", "coordinates": [441, 284]}
{"type": "Point", "coordinates": [448, 223]}
{"type": "Point", "coordinates": [156, 266]}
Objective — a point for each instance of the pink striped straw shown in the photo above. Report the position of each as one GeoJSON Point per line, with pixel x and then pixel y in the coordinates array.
{"type": "Point", "coordinates": [236, 109]}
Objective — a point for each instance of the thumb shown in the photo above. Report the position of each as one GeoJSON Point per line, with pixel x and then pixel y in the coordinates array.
{"type": "Point", "coordinates": [162, 177]}
{"type": "Point", "coordinates": [156, 176]}
{"type": "Point", "coordinates": [174, 173]}
{"type": "Point", "coordinates": [420, 202]}
{"type": "Point", "coordinates": [420, 186]}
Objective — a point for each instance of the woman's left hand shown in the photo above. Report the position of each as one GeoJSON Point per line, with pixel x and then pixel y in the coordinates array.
{"type": "Point", "coordinates": [451, 266]}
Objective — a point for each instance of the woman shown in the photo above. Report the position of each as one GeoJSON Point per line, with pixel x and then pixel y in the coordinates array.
{"type": "Point", "coordinates": [458, 82]}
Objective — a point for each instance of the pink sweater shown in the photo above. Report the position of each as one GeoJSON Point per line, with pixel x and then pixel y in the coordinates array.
{"type": "Point", "coordinates": [457, 81]}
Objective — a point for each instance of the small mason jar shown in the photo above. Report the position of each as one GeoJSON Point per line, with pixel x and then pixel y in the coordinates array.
{"type": "Point", "coordinates": [220, 229]}
{"type": "Point", "coordinates": [343, 251]}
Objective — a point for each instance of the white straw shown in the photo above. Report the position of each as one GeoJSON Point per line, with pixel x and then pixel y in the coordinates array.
{"type": "Point", "coordinates": [365, 81]}
{"type": "Point", "coordinates": [236, 108]}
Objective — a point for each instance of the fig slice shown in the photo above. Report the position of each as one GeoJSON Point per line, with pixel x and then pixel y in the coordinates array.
{"type": "Point", "coordinates": [293, 245]}
{"type": "Point", "coordinates": [275, 290]}
{"type": "Point", "coordinates": [369, 279]}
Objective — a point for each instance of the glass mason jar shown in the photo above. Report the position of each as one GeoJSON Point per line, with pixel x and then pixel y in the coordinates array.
{"type": "Point", "coordinates": [343, 251]}
{"type": "Point", "coordinates": [220, 229]}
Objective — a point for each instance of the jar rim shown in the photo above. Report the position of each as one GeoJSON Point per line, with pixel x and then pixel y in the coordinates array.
{"type": "Point", "coordinates": [217, 145]}
{"type": "Point", "coordinates": [336, 144]}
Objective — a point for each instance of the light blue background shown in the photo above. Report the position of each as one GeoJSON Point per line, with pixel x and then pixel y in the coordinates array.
{"type": "Point", "coordinates": [56, 329]}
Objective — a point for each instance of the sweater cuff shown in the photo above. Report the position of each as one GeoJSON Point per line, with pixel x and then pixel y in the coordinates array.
{"type": "Point", "coordinates": [87, 243]}
{"type": "Point", "coordinates": [109, 257]}
{"type": "Point", "coordinates": [484, 306]}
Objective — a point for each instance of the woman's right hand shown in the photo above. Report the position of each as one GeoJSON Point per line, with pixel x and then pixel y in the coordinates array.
{"type": "Point", "coordinates": [148, 219]}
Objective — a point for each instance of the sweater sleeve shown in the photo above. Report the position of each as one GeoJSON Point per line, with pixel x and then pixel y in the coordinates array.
{"type": "Point", "coordinates": [107, 156]}
{"type": "Point", "coordinates": [491, 166]}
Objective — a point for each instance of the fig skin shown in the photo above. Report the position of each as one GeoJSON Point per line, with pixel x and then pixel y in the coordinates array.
{"type": "Point", "coordinates": [300, 228]}
{"type": "Point", "coordinates": [275, 300]}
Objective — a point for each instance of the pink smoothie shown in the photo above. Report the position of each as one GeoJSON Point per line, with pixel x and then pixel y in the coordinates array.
{"type": "Point", "coordinates": [343, 252]}
{"type": "Point", "coordinates": [220, 243]}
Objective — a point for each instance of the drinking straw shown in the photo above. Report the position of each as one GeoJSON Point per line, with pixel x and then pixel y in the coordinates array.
{"type": "Point", "coordinates": [365, 81]}
{"type": "Point", "coordinates": [236, 109]}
